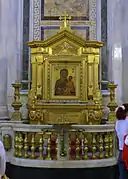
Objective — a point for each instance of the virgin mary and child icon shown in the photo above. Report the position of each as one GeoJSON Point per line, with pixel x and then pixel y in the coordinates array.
{"type": "Point", "coordinates": [64, 85]}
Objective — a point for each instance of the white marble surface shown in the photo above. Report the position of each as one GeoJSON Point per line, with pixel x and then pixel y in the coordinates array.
{"type": "Point", "coordinates": [3, 64]}
{"type": "Point", "coordinates": [18, 126]}
{"type": "Point", "coordinates": [98, 19]}
{"type": "Point", "coordinates": [124, 29]}
{"type": "Point", "coordinates": [118, 46]}
{"type": "Point", "coordinates": [63, 163]}
{"type": "Point", "coordinates": [114, 25]}
{"type": "Point", "coordinates": [10, 49]}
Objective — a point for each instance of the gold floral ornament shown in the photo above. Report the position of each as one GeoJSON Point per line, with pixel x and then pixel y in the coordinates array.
{"type": "Point", "coordinates": [65, 18]}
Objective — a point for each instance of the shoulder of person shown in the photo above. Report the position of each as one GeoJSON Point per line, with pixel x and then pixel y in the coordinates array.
{"type": "Point", "coordinates": [119, 124]}
{"type": "Point", "coordinates": [1, 144]}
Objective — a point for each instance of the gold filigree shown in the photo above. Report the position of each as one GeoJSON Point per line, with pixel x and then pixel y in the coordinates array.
{"type": "Point", "coordinates": [16, 115]}
{"type": "Point", "coordinates": [31, 97]}
{"type": "Point", "coordinates": [64, 48]}
{"type": "Point", "coordinates": [64, 118]}
{"type": "Point", "coordinates": [7, 140]}
{"type": "Point", "coordinates": [112, 105]}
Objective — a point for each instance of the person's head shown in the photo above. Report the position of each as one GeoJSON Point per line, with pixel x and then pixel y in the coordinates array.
{"type": "Point", "coordinates": [126, 108]}
{"type": "Point", "coordinates": [120, 113]}
{"type": "Point", "coordinates": [70, 78]}
{"type": "Point", "coordinates": [63, 73]}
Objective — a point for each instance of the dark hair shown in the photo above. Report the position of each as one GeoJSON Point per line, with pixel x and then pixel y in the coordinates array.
{"type": "Point", "coordinates": [120, 113]}
{"type": "Point", "coordinates": [126, 107]}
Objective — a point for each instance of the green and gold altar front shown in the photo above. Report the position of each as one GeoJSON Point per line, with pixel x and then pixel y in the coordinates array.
{"type": "Point", "coordinates": [64, 107]}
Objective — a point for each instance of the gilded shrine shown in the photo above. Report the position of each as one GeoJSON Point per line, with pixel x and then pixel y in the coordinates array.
{"type": "Point", "coordinates": [64, 128]}
{"type": "Point", "coordinates": [65, 85]}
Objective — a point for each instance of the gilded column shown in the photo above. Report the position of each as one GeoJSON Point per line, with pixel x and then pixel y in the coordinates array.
{"type": "Point", "coordinates": [95, 74]}
{"type": "Point", "coordinates": [97, 93]}
{"type": "Point", "coordinates": [39, 70]}
{"type": "Point", "coordinates": [34, 71]}
{"type": "Point", "coordinates": [90, 76]}
{"type": "Point", "coordinates": [39, 75]}
{"type": "Point", "coordinates": [84, 78]}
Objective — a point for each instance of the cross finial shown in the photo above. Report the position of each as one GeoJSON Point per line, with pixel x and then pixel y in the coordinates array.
{"type": "Point", "coordinates": [65, 18]}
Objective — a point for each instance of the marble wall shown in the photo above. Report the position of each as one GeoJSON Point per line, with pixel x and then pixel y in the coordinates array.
{"type": "Point", "coordinates": [25, 60]}
{"type": "Point", "coordinates": [46, 16]}
{"type": "Point", "coordinates": [104, 58]}
{"type": "Point", "coordinates": [49, 31]}
{"type": "Point", "coordinates": [124, 34]}
{"type": "Point", "coordinates": [116, 22]}
{"type": "Point", "coordinates": [10, 50]}
{"type": "Point", "coordinates": [73, 7]}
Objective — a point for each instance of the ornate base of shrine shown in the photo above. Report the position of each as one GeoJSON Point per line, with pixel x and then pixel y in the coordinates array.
{"type": "Point", "coordinates": [19, 172]}
{"type": "Point", "coordinates": [61, 113]}
{"type": "Point", "coordinates": [34, 149]}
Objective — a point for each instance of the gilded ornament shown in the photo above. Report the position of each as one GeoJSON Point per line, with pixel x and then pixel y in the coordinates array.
{"type": "Point", "coordinates": [65, 79]}
{"type": "Point", "coordinates": [85, 146]}
{"type": "Point", "coordinates": [94, 147]}
{"type": "Point", "coordinates": [48, 146]}
{"type": "Point", "coordinates": [33, 147]}
{"type": "Point", "coordinates": [20, 146]}
{"type": "Point", "coordinates": [32, 115]}
{"type": "Point", "coordinates": [16, 144]}
{"type": "Point", "coordinates": [65, 18]}
{"type": "Point", "coordinates": [106, 146]}
{"type": "Point", "coordinates": [16, 115]}
{"type": "Point", "coordinates": [77, 146]}
{"type": "Point", "coordinates": [26, 145]}
{"type": "Point", "coordinates": [110, 144]}
{"type": "Point", "coordinates": [101, 146]}
{"type": "Point", "coordinates": [91, 116]}
{"type": "Point", "coordinates": [112, 105]}
{"type": "Point", "coordinates": [41, 147]}
{"type": "Point", "coordinates": [7, 140]}
{"type": "Point", "coordinates": [31, 97]}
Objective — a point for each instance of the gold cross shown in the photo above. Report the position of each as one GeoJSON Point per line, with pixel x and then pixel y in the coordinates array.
{"type": "Point", "coordinates": [64, 18]}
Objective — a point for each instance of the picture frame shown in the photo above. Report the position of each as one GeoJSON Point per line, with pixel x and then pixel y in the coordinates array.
{"type": "Point", "coordinates": [64, 82]}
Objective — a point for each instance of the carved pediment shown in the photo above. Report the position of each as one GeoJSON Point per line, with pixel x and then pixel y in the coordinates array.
{"type": "Point", "coordinates": [64, 48]}
{"type": "Point", "coordinates": [66, 35]}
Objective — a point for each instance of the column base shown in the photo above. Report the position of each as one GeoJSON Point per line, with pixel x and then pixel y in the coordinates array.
{"type": "Point", "coordinates": [3, 113]}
